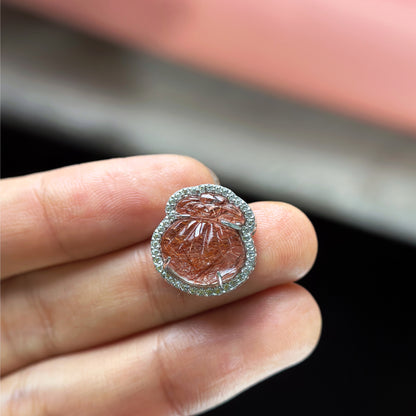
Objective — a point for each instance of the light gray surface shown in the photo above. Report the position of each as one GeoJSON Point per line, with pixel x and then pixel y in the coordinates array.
{"type": "Point", "coordinates": [272, 147]}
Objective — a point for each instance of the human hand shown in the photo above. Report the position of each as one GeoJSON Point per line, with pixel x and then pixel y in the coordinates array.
{"type": "Point", "coordinates": [89, 327]}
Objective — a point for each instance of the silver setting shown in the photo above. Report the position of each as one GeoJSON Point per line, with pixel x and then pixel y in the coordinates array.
{"type": "Point", "coordinates": [246, 231]}
{"type": "Point", "coordinates": [231, 225]}
{"type": "Point", "coordinates": [220, 279]}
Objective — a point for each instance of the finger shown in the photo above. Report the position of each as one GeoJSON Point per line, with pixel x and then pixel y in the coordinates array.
{"type": "Point", "coordinates": [75, 306]}
{"type": "Point", "coordinates": [86, 210]}
{"type": "Point", "coordinates": [182, 369]}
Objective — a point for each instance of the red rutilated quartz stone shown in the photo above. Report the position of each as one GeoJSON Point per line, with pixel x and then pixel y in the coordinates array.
{"type": "Point", "coordinates": [198, 247]}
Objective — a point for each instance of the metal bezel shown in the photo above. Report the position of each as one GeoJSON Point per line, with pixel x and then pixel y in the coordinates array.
{"type": "Point", "coordinates": [246, 232]}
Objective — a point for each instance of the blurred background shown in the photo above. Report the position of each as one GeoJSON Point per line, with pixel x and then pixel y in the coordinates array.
{"type": "Point", "coordinates": [310, 102]}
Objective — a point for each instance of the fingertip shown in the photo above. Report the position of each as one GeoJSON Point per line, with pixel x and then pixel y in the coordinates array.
{"type": "Point", "coordinates": [304, 238]}
{"type": "Point", "coordinates": [293, 312]}
{"type": "Point", "coordinates": [308, 325]}
{"type": "Point", "coordinates": [285, 239]}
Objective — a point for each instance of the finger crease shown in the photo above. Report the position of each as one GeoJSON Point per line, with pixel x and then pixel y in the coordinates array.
{"type": "Point", "coordinates": [39, 193]}
{"type": "Point", "coordinates": [24, 398]}
{"type": "Point", "coordinates": [45, 318]}
{"type": "Point", "coordinates": [167, 385]}
{"type": "Point", "coordinates": [7, 339]}
{"type": "Point", "coordinates": [152, 294]}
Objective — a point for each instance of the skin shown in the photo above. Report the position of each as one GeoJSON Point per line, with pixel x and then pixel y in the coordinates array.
{"type": "Point", "coordinates": [90, 328]}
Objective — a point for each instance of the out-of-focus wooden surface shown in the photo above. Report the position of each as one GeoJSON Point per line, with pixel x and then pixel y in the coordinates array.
{"type": "Point", "coordinates": [272, 147]}
{"type": "Point", "coordinates": [356, 56]}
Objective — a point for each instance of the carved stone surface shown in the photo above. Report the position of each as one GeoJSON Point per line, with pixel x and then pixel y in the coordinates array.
{"type": "Point", "coordinates": [203, 246]}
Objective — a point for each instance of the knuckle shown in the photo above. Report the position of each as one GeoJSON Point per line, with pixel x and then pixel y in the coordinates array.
{"type": "Point", "coordinates": [50, 218]}
{"type": "Point", "coordinates": [169, 385]}
{"type": "Point", "coordinates": [44, 320]}
{"type": "Point", "coordinates": [21, 398]}
{"type": "Point", "coordinates": [152, 287]}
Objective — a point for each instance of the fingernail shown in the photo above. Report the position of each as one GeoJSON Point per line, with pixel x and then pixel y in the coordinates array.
{"type": "Point", "coordinates": [214, 177]}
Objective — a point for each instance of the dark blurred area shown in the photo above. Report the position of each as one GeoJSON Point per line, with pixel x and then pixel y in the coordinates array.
{"type": "Point", "coordinates": [364, 363]}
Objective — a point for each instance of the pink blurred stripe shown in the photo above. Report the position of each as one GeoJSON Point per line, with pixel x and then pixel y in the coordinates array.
{"type": "Point", "coordinates": [356, 56]}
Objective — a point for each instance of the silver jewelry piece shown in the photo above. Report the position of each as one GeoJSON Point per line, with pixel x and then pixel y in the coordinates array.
{"type": "Point", "coordinates": [245, 231]}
